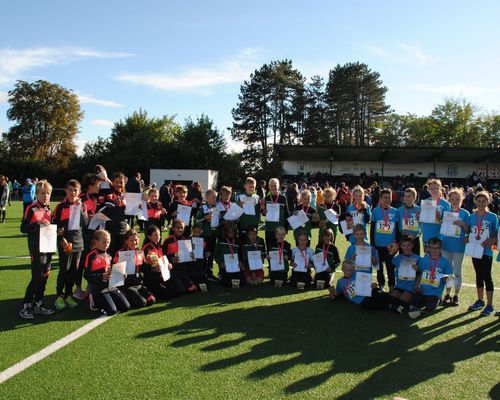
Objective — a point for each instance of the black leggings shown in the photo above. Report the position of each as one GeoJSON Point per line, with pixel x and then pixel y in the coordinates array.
{"type": "Point", "coordinates": [380, 301]}
{"type": "Point", "coordinates": [165, 290]}
{"type": "Point", "coordinates": [87, 238]}
{"type": "Point", "coordinates": [384, 257]}
{"type": "Point", "coordinates": [111, 302]}
{"type": "Point", "coordinates": [138, 296]}
{"type": "Point", "coordinates": [482, 267]}
{"type": "Point", "coordinates": [40, 270]}
{"type": "Point", "coordinates": [68, 266]}
{"type": "Point", "coordinates": [421, 300]}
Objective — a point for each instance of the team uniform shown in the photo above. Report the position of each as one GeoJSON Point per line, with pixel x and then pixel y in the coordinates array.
{"type": "Point", "coordinates": [253, 276]}
{"type": "Point", "coordinates": [173, 208]}
{"type": "Point", "coordinates": [229, 249]}
{"type": "Point", "coordinates": [350, 255]}
{"type": "Point", "coordinates": [209, 233]}
{"type": "Point", "coordinates": [154, 215]}
{"type": "Point", "coordinates": [359, 217]}
{"type": "Point", "coordinates": [251, 217]}
{"type": "Point", "coordinates": [179, 270]}
{"type": "Point", "coordinates": [270, 226]}
{"type": "Point", "coordinates": [90, 203]}
{"type": "Point", "coordinates": [197, 268]}
{"type": "Point", "coordinates": [405, 282]}
{"type": "Point", "coordinates": [301, 273]}
{"type": "Point", "coordinates": [431, 230]}
{"type": "Point", "coordinates": [331, 260]}
{"type": "Point", "coordinates": [112, 205]}
{"type": "Point", "coordinates": [409, 225]}
{"type": "Point", "coordinates": [329, 225]}
{"type": "Point", "coordinates": [308, 226]}
{"type": "Point", "coordinates": [284, 250]}
{"type": "Point", "coordinates": [432, 282]}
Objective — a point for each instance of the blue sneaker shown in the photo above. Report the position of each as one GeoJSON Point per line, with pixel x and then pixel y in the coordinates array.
{"type": "Point", "coordinates": [488, 310]}
{"type": "Point", "coordinates": [478, 304]}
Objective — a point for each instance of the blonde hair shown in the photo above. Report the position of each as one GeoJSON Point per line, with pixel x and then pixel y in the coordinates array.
{"type": "Point", "coordinates": [226, 190]}
{"type": "Point", "coordinates": [358, 189]}
{"type": "Point", "coordinates": [484, 194]}
{"type": "Point", "coordinates": [181, 189]}
{"type": "Point", "coordinates": [458, 191]}
{"type": "Point", "coordinates": [99, 235]}
{"type": "Point", "coordinates": [329, 190]}
{"type": "Point", "coordinates": [434, 181]}
{"type": "Point", "coordinates": [306, 192]}
{"type": "Point", "coordinates": [249, 179]}
{"type": "Point", "coordinates": [412, 191]}
{"type": "Point", "coordinates": [209, 192]}
{"type": "Point", "coordinates": [41, 184]}
{"type": "Point", "coordinates": [274, 180]}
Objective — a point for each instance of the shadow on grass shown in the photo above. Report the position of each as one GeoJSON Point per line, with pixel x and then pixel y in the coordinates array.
{"type": "Point", "coordinates": [316, 330]}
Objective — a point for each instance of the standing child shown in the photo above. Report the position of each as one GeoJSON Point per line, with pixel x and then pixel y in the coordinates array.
{"type": "Point", "coordinates": [136, 293]}
{"type": "Point", "coordinates": [406, 267]}
{"type": "Point", "coordinates": [408, 218]}
{"type": "Point", "coordinates": [328, 203]}
{"type": "Point", "coordinates": [36, 215]}
{"type": "Point", "coordinates": [301, 262]}
{"type": "Point", "coordinates": [483, 230]}
{"type": "Point", "coordinates": [279, 272]}
{"type": "Point", "coordinates": [359, 210]}
{"type": "Point", "coordinates": [331, 258]}
{"type": "Point", "coordinates": [359, 233]}
{"type": "Point", "coordinates": [181, 192]}
{"type": "Point", "coordinates": [227, 251]}
{"type": "Point", "coordinates": [274, 200]}
{"type": "Point", "coordinates": [69, 243]}
{"type": "Point", "coordinates": [98, 273]}
{"type": "Point", "coordinates": [312, 216]}
{"type": "Point", "coordinates": [431, 230]}
{"type": "Point", "coordinates": [209, 218]}
{"type": "Point", "coordinates": [156, 212]}
{"type": "Point", "coordinates": [253, 243]}
{"type": "Point", "coordinates": [196, 268]}
{"type": "Point", "coordinates": [454, 246]}
{"type": "Point", "coordinates": [250, 202]}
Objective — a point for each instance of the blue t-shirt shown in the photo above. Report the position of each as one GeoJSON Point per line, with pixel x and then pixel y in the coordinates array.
{"type": "Point", "coordinates": [489, 229]}
{"type": "Point", "coordinates": [358, 218]}
{"type": "Point", "coordinates": [28, 192]}
{"type": "Point", "coordinates": [430, 282]}
{"type": "Point", "coordinates": [408, 220]}
{"type": "Point", "coordinates": [456, 244]}
{"type": "Point", "coordinates": [351, 250]}
{"type": "Point", "coordinates": [432, 230]}
{"type": "Point", "coordinates": [347, 286]}
{"type": "Point", "coordinates": [405, 282]}
{"type": "Point", "coordinates": [385, 234]}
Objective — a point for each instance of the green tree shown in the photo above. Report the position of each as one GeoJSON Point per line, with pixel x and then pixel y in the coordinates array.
{"type": "Point", "coordinates": [314, 113]}
{"type": "Point", "coordinates": [46, 120]}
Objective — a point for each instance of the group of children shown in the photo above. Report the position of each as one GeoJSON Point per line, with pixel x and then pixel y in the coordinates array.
{"type": "Point", "coordinates": [93, 238]}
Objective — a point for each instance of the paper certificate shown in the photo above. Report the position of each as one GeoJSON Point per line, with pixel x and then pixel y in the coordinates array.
{"type": "Point", "coordinates": [215, 221]}
{"type": "Point", "coordinates": [143, 214]}
{"type": "Point", "coordinates": [332, 216]}
{"type": "Point", "coordinates": [184, 213]}
{"type": "Point", "coordinates": [320, 264]}
{"type": "Point", "coordinates": [184, 250]}
{"type": "Point", "coordinates": [198, 248]}
{"type": "Point", "coordinates": [75, 211]}
{"type": "Point", "coordinates": [474, 249]}
{"type": "Point", "coordinates": [255, 260]}
{"type": "Point", "coordinates": [234, 212]}
{"type": "Point", "coordinates": [357, 217]}
{"type": "Point", "coordinates": [98, 221]}
{"type": "Point", "coordinates": [346, 228]}
{"type": "Point", "coordinates": [448, 228]}
{"type": "Point", "coordinates": [248, 203]}
{"type": "Point", "coordinates": [363, 284]}
{"type": "Point", "coordinates": [133, 203]}
{"type": "Point", "coordinates": [274, 261]}
{"type": "Point", "coordinates": [165, 272]}
{"type": "Point", "coordinates": [406, 271]}
{"type": "Point", "coordinates": [48, 238]}
{"type": "Point", "coordinates": [298, 220]}
{"type": "Point", "coordinates": [231, 262]}
{"type": "Point", "coordinates": [363, 260]}
{"type": "Point", "coordinates": [428, 211]}
{"type": "Point", "coordinates": [117, 275]}
{"type": "Point", "coordinates": [272, 212]}
{"type": "Point", "coordinates": [129, 258]}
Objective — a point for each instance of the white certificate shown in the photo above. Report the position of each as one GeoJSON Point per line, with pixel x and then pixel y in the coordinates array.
{"type": "Point", "coordinates": [448, 228]}
{"type": "Point", "coordinates": [143, 214]}
{"type": "Point", "coordinates": [428, 211]}
{"type": "Point", "coordinates": [184, 213]}
{"type": "Point", "coordinates": [165, 272]}
{"type": "Point", "coordinates": [234, 212]}
{"type": "Point", "coordinates": [248, 203]}
{"type": "Point", "coordinates": [474, 249]}
{"type": "Point", "coordinates": [48, 238]}
{"type": "Point", "coordinates": [406, 271]}
{"type": "Point", "coordinates": [129, 258]}
{"type": "Point", "coordinates": [357, 217]}
{"type": "Point", "coordinates": [272, 212]}
{"type": "Point", "coordinates": [320, 264]}
{"type": "Point", "coordinates": [98, 221]}
{"type": "Point", "coordinates": [298, 220]}
{"type": "Point", "coordinates": [363, 260]}
{"type": "Point", "coordinates": [301, 265]}
{"type": "Point", "coordinates": [345, 229]}
{"type": "Point", "coordinates": [117, 275]}
{"type": "Point", "coordinates": [215, 221]}
{"type": "Point", "coordinates": [255, 260]}
{"type": "Point", "coordinates": [274, 261]}
{"type": "Point", "coordinates": [198, 248]}
{"type": "Point", "coordinates": [75, 211]}
{"type": "Point", "coordinates": [231, 262]}
{"type": "Point", "coordinates": [133, 203]}
{"type": "Point", "coordinates": [184, 250]}
{"type": "Point", "coordinates": [332, 216]}
{"type": "Point", "coordinates": [363, 284]}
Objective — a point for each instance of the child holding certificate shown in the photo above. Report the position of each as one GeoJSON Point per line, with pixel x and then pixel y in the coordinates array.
{"type": "Point", "coordinates": [312, 216]}
{"type": "Point", "coordinates": [254, 251]}
{"type": "Point", "coordinates": [196, 268]}
{"type": "Point", "coordinates": [228, 257]}
{"type": "Point", "coordinates": [37, 215]}
{"type": "Point", "coordinates": [359, 210]}
{"type": "Point", "coordinates": [209, 216]}
{"type": "Point", "coordinates": [328, 206]}
{"type": "Point", "coordinates": [456, 227]}
{"type": "Point", "coordinates": [406, 266]}
{"type": "Point", "coordinates": [250, 202]}
{"type": "Point", "coordinates": [181, 209]}
{"type": "Point", "coordinates": [408, 218]}
{"type": "Point", "coordinates": [328, 261]}
{"type": "Point", "coordinates": [364, 256]}
{"type": "Point", "coordinates": [431, 212]}
{"type": "Point", "coordinates": [302, 262]}
{"type": "Point", "coordinates": [279, 255]}
{"type": "Point", "coordinates": [275, 209]}
{"type": "Point", "coordinates": [179, 263]}
{"type": "Point", "coordinates": [483, 231]}
{"type": "Point", "coordinates": [152, 266]}
{"type": "Point", "coordinates": [98, 273]}
{"type": "Point", "coordinates": [136, 293]}
{"type": "Point", "coordinates": [156, 212]}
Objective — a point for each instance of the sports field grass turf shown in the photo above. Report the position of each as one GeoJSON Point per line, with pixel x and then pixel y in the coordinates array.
{"type": "Point", "coordinates": [249, 343]}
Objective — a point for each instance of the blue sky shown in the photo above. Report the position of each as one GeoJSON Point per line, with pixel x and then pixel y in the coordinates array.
{"type": "Point", "coordinates": [190, 57]}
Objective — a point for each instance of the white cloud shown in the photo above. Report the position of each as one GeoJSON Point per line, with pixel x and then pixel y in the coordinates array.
{"type": "Point", "coordinates": [4, 97]}
{"type": "Point", "coordinates": [89, 99]}
{"type": "Point", "coordinates": [14, 62]}
{"type": "Point", "coordinates": [402, 54]}
{"type": "Point", "coordinates": [230, 70]}
{"type": "Point", "coordinates": [103, 122]}
{"type": "Point", "coordinates": [455, 89]}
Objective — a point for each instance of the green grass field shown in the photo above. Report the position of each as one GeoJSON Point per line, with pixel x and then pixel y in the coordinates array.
{"type": "Point", "coordinates": [249, 343]}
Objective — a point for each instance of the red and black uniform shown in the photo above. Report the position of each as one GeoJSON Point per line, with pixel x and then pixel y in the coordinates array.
{"type": "Point", "coordinates": [197, 268]}
{"type": "Point", "coordinates": [40, 262]}
{"type": "Point", "coordinates": [331, 257]}
{"type": "Point", "coordinates": [136, 293]}
{"type": "Point", "coordinates": [173, 207]}
{"type": "Point", "coordinates": [68, 261]}
{"type": "Point", "coordinates": [112, 205]}
{"type": "Point", "coordinates": [90, 203]}
{"type": "Point", "coordinates": [179, 270]}
{"type": "Point", "coordinates": [154, 215]}
{"type": "Point", "coordinates": [111, 301]}
{"type": "Point", "coordinates": [153, 279]}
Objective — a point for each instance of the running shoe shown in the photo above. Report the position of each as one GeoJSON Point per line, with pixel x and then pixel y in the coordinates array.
{"type": "Point", "coordinates": [447, 301]}
{"type": "Point", "coordinates": [60, 304]}
{"type": "Point", "coordinates": [478, 304]}
{"type": "Point", "coordinates": [38, 308]}
{"type": "Point", "coordinates": [454, 301]}
{"type": "Point", "coordinates": [79, 294]}
{"type": "Point", "coordinates": [70, 302]}
{"type": "Point", "coordinates": [414, 314]}
{"type": "Point", "coordinates": [488, 310]}
{"type": "Point", "coordinates": [26, 312]}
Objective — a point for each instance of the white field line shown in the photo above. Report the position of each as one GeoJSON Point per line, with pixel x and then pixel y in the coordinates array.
{"type": "Point", "coordinates": [51, 348]}
{"type": "Point", "coordinates": [19, 257]}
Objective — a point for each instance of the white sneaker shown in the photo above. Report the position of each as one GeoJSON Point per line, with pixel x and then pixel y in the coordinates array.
{"type": "Point", "coordinates": [38, 308]}
{"type": "Point", "coordinates": [414, 314]}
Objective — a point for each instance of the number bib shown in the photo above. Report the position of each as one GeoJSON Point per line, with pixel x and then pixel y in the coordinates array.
{"type": "Point", "coordinates": [385, 229]}
{"type": "Point", "coordinates": [410, 224]}
{"type": "Point", "coordinates": [483, 235]}
{"type": "Point", "coordinates": [428, 279]}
